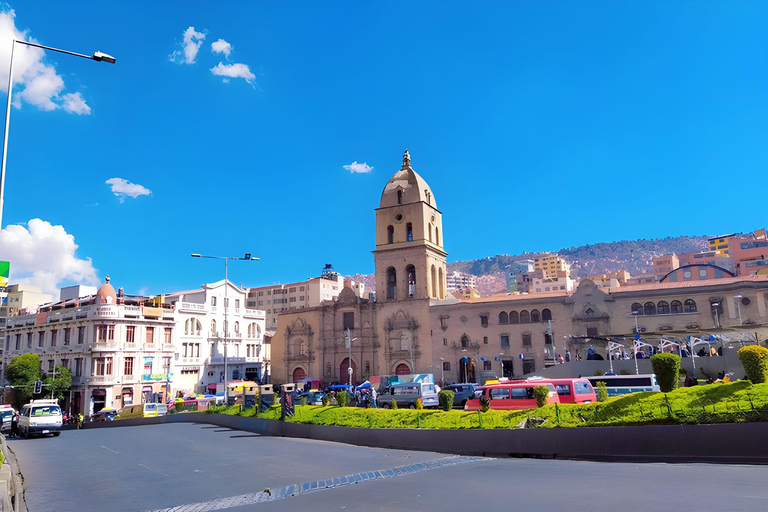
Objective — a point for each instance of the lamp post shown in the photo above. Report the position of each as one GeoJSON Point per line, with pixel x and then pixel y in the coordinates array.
{"type": "Point", "coordinates": [226, 259]}
{"type": "Point", "coordinates": [738, 305]}
{"type": "Point", "coordinates": [97, 56]}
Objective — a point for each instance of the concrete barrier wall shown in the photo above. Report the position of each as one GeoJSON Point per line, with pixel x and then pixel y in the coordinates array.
{"type": "Point", "coordinates": [729, 443]}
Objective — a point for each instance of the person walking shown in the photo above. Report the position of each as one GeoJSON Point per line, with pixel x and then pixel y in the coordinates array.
{"type": "Point", "coordinates": [15, 425]}
{"type": "Point", "coordinates": [374, 396]}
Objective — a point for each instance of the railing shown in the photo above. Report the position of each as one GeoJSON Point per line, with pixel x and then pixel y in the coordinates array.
{"type": "Point", "coordinates": [192, 306]}
{"type": "Point", "coordinates": [105, 379]}
{"type": "Point", "coordinates": [78, 381]}
{"type": "Point", "coordinates": [168, 346]}
{"type": "Point", "coordinates": [98, 346]}
{"type": "Point", "coordinates": [191, 360]}
{"type": "Point", "coordinates": [132, 311]}
{"type": "Point", "coordinates": [230, 360]}
{"type": "Point", "coordinates": [256, 313]}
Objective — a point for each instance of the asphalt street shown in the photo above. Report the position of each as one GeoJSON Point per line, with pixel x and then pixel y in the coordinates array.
{"type": "Point", "coordinates": [193, 467]}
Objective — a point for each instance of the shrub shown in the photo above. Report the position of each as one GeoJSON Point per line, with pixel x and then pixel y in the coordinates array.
{"type": "Point", "coordinates": [326, 401]}
{"type": "Point", "coordinates": [755, 361]}
{"type": "Point", "coordinates": [446, 399]}
{"type": "Point", "coordinates": [394, 404]}
{"type": "Point", "coordinates": [341, 398]}
{"type": "Point", "coordinates": [485, 403]}
{"type": "Point", "coordinates": [598, 372]}
{"type": "Point", "coordinates": [541, 393]}
{"type": "Point", "coordinates": [602, 392]}
{"type": "Point", "coordinates": [667, 370]}
{"type": "Point", "coordinates": [419, 404]}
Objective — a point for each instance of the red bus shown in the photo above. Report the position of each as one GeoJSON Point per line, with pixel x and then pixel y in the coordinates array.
{"type": "Point", "coordinates": [511, 396]}
{"type": "Point", "coordinates": [570, 390]}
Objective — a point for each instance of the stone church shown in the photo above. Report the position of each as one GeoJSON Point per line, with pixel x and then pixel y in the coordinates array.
{"type": "Point", "coordinates": [416, 326]}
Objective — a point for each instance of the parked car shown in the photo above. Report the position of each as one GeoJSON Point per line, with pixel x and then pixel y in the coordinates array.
{"type": "Point", "coordinates": [407, 393]}
{"type": "Point", "coordinates": [461, 393]}
{"type": "Point", "coordinates": [511, 396]}
{"type": "Point", "coordinates": [313, 397]}
{"type": "Point", "coordinates": [6, 413]}
{"type": "Point", "coordinates": [104, 415]}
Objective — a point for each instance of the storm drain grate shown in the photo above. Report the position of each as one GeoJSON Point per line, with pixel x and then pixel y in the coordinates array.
{"type": "Point", "coordinates": [319, 485]}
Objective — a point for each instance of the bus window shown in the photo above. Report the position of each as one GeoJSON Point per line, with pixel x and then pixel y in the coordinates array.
{"type": "Point", "coordinates": [564, 390]}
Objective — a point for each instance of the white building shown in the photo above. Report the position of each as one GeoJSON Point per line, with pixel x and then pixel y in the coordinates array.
{"type": "Point", "coordinates": [459, 280]}
{"type": "Point", "coordinates": [213, 323]}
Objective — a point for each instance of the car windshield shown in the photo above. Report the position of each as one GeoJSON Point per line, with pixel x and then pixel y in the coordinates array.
{"type": "Point", "coordinates": [47, 410]}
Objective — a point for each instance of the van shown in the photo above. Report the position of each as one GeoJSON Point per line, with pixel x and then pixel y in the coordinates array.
{"type": "Point", "coordinates": [148, 410]}
{"type": "Point", "coordinates": [571, 390]}
{"type": "Point", "coordinates": [40, 417]}
{"type": "Point", "coordinates": [407, 393]}
{"type": "Point", "coordinates": [6, 415]}
{"type": "Point", "coordinates": [511, 396]}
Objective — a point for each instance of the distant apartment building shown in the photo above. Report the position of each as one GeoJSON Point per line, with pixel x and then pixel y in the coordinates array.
{"type": "Point", "coordinates": [20, 298]}
{"type": "Point", "coordinates": [621, 277]}
{"type": "Point", "coordinates": [275, 299]}
{"type": "Point", "coordinates": [512, 272]}
{"type": "Point", "coordinates": [750, 254]}
{"type": "Point", "coordinates": [466, 293]}
{"type": "Point", "coordinates": [76, 292]}
{"type": "Point", "coordinates": [662, 265]}
{"type": "Point", "coordinates": [459, 280]}
{"type": "Point", "coordinates": [551, 284]}
{"type": "Point", "coordinates": [552, 265]}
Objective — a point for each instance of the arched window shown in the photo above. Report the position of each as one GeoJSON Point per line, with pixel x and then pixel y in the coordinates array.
{"type": "Point", "coordinates": [546, 315]}
{"type": "Point", "coordinates": [503, 317]}
{"type": "Point", "coordinates": [258, 330]}
{"type": "Point", "coordinates": [197, 327]}
{"type": "Point", "coordinates": [391, 284]}
{"type": "Point", "coordinates": [535, 316]}
{"type": "Point", "coordinates": [442, 285]}
{"type": "Point", "coordinates": [514, 318]}
{"type": "Point", "coordinates": [637, 308]}
{"type": "Point", "coordinates": [662, 308]}
{"type": "Point", "coordinates": [689, 306]}
{"type": "Point", "coordinates": [464, 341]}
{"type": "Point", "coordinates": [524, 317]}
{"type": "Point", "coordinates": [430, 233]}
{"type": "Point", "coordinates": [390, 234]}
{"type": "Point", "coordinates": [213, 327]}
{"type": "Point", "coordinates": [434, 282]}
{"type": "Point", "coordinates": [677, 307]}
{"type": "Point", "coordinates": [410, 270]}
{"type": "Point", "coordinates": [186, 326]}
{"type": "Point", "coordinates": [409, 232]}
{"type": "Point", "coordinates": [649, 308]}
{"type": "Point", "coordinates": [437, 235]}
{"type": "Point", "coordinates": [237, 327]}
{"type": "Point", "coordinates": [399, 197]}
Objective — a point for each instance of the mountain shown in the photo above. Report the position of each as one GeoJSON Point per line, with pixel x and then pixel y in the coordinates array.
{"type": "Point", "coordinates": [586, 260]}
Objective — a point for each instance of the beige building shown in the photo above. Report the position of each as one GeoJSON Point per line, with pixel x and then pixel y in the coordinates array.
{"type": "Point", "coordinates": [415, 328]}
{"type": "Point", "coordinates": [552, 265]}
{"type": "Point", "coordinates": [119, 351]}
{"type": "Point", "coordinates": [20, 298]}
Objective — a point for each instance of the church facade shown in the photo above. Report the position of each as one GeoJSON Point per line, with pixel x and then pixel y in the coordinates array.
{"type": "Point", "coordinates": [416, 326]}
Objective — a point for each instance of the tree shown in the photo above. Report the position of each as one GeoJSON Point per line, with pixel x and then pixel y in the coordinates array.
{"type": "Point", "coordinates": [61, 382]}
{"type": "Point", "coordinates": [22, 372]}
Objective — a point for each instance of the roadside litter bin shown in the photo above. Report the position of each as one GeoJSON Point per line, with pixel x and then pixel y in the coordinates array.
{"type": "Point", "coordinates": [266, 397]}
{"type": "Point", "coordinates": [286, 400]}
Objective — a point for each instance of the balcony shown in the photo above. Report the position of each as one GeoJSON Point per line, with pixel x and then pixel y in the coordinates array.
{"type": "Point", "coordinates": [108, 347]}
{"type": "Point", "coordinates": [254, 313]}
{"type": "Point", "coordinates": [132, 311]}
{"type": "Point", "coordinates": [191, 306]}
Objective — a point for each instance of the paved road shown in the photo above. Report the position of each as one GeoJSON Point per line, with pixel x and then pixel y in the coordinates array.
{"type": "Point", "coordinates": [196, 467]}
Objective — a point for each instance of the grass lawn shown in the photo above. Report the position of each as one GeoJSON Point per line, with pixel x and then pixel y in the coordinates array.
{"type": "Point", "coordinates": [714, 403]}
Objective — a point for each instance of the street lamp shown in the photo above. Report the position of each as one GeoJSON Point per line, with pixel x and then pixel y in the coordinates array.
{"type": "Point", "coordinates": [226, 259]}
{"type": "Point", "coordinates": [97, 56]}
{"type": "Point", "coordinates": [738, 305]}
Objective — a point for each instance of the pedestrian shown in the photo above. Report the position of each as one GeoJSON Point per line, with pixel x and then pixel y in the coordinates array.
{"type": "Point", "coordinates": [79, 421]}
{"type": "Point", "coordinates": [15, 425]}
{"type": "Point", "coordinates": [374, 396]}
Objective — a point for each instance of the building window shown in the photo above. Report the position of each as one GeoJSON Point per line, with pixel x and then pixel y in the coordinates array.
{"type": "Point", "coordinates": [167, 334]}
{"type": "Point", "coordinates": [444, 322]}
{"type": "Point", "coordinates": [349, 321]}
{"type": "Point", "coordinates": [213, 301]}
{"type": "Point", "coordinates": [662, 308]}
{"type": "Point", "coordinates": [147, 366]}
{"type": "Point", "coordinates": [592, 332]}
{"type": "Point", "coordinates": [485, 340]}
{"type": "Point", "coordinates": [150, 334]}
{"type": "Point", "coordinates": [514, 318]}
{"type": "Point", "coordinates": [526, 340]}
{"type": "Point", "coordinates": [546, 315]}
{"type": "Point", "coordinates": [399, 197]}
{"type": "Point", "coordinates": [410, 271]}
{"type": "Point", "coordinates": [676, 307]}
{"type": "Point", "coordinates": [484, 320]}
{"type": "Point", "coordinates": [108, 366]}
{"type": "Point", "coordinates": [29, 340]}
{"type": "Point", "coordinates": [391, 284]}
{"type": "Point", "coordinates": [213, 328]}
{"type": "Point", "coordinates": [409, 232]}
{"type": "Point", "coordinates": [237, 301]}
{"type": "Point", "coordinates": [503, 317]}
{"type": "Point", "coordinates": [524, 317]}
{"type": "Point", "coordinates": [445, 342]}
{"type": "Point", "coordinates": [689, 306]}
{"type": "Point", "coordinates": [446, 366]}
{"type": "Point", "coordinates": [128, 367]}
{"type": "Point", "coordinates": [487, 365]}
{"type": "Point", "coordinates": [98, 366]}
{"type": "Point", "coordinates": [66, 335]}
{"type": "Point", "coordinates": [130, 334]}
{"type": "Point", "coordinates": [80, 335]}
{"type": "Point", "coordinates": [649, 308]}
{"type": "Point", "coordinates": [53, 337]}
{"type": "Point", "coordinates": [79, 367]}
{"type": "Point", "coordinates": [464, 341]}
{"type": "Point", "coordinates": [50, 365]}
{"type": "Point", "coordinates": [166, 364]}
{"type": "Point", "coordinates": [41, 338]}
{"type": "Point", "coordinates": [505, 340]}
{"type": "Point", "coordinates": [637, 309]}
{"type": "Point", "coordinates": [535, 316]}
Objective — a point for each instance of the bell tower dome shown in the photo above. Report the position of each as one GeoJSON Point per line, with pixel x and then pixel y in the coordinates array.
{"type": "Point", "coordinates": [409, 255]}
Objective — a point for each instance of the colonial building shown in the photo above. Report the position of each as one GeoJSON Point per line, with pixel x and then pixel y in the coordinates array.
{"type": "Point", "coordinates": [417, 327]}
{"type": "Point", "coordinates": [119, 351]}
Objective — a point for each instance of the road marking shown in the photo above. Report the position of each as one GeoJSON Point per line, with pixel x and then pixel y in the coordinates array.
{"type": "Point", "coordinates": [319, 485]}
{"type": "Point", "coordinates": [110, 449]}
{"type": "Point", "coordinates": [153, 470]}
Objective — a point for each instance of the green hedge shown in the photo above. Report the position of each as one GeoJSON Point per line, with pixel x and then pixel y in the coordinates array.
{"type": "Point", "coordinates": [667, 370]}
{"type": "Point", "coordinates": [446, 399]}
{"type": "Point", "coordinates": [754, 358]}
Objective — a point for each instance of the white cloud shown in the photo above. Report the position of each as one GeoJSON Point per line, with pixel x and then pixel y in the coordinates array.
{"type": "Point", "coordinates": [45, 255]}
{"type": "Point", "coordinates": [355, 167]}
{"type": "Point", "coordinates": [36, 83]}
{"type": "Point", "coordinates": [221, 46]}
{"type": "Point", "coordinates": [234, 71]}
{"type": "Point", "coordinates": [190, 46]}
{"type": "Point", "coordinates": [122, 188]}
{"type": "Point", "coordinates": [75, 104]}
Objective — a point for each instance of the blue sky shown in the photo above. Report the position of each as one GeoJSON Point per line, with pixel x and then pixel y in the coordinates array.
{"type": "Point", "coordinates": [539, 125]}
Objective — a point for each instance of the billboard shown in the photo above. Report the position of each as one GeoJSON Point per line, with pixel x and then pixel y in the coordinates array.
{"type": "Point", "coordinates": [5, 269]}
